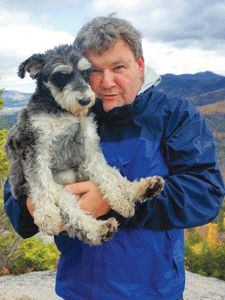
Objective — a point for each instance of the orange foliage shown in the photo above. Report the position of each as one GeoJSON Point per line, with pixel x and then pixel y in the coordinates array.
{"type": "Point", "coordinates": [218, 134]}
{"type": "Point", "coordinates": [4, 271]}
{"type": "Point", "coordinates": [217, 107]}
{"type": "Point", "coordinates": [210, 233]}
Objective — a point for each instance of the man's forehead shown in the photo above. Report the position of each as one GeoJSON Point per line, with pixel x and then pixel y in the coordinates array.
{"type": "Point", "coordinates": [120, 52]}
{"type": "Point", "coordinates": [101, 61]}
{"type": "Point", "coordinates": [109, 62]}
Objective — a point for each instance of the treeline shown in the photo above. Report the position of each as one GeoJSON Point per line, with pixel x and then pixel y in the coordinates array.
{"type": "Point", "coordinates": [16, 254]}
{"type": "Point", "coordinates": [205, 249]}
{"type": "Point", "coordinates": [8, 120]}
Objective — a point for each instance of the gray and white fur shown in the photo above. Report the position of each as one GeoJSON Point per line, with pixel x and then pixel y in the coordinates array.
{"type": "Point", "coordinates": [55, 143]}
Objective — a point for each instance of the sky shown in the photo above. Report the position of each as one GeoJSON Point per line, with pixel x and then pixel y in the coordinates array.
{"type": "Point", "coordinates": [179, 36]}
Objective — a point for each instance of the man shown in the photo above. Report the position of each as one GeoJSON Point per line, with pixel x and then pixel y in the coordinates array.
{"type": "Point", "coordinates": [143, 133]}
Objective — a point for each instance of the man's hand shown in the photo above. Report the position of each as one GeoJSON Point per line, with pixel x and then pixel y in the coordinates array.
{"type": "Point", "coordinates": [90, 198]}
{"type": "Point", "coordinates": [30, 206]}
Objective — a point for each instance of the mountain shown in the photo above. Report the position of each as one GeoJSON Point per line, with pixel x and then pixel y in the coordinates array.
{"type": "Point", "coordinates": [202, 88]}
{"type": "Point", "coordinates": [15, 99]}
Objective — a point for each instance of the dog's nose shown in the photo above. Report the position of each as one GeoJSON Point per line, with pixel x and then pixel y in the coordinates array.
{"type": "Point", "coordinates": [84, 101]}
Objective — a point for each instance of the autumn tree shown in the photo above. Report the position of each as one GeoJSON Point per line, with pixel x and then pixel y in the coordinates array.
{"type": "Point", "coordinates": [1, 99]}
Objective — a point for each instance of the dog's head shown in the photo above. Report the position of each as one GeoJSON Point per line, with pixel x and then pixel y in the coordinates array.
{"type": "Point", "coordinates": [65, 73]}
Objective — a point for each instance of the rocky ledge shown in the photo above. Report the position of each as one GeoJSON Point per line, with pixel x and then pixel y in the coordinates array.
{"type": "Point", "coordinates": [40, 285]}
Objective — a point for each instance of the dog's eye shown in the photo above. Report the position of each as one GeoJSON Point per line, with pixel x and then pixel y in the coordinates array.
{"type": "Point", "coordinates": [60, 79]}
{"type": "Point", "coordinates": [86, 74]}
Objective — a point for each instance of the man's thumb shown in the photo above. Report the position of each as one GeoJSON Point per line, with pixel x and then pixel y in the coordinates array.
{"type": "Point", "coordinates": [78, 187]}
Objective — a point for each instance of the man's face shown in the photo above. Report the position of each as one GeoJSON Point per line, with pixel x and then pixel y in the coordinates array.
{"type": "Point", "coordinates": [117, 76]}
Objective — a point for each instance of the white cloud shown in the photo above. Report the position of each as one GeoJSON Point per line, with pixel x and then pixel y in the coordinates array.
{"type": "Point", "coordinates": [104, 6]}
{"type": "Point", "coordinates": [179, 36]}
{"type": "Point", "coordinates": [23, 40]}
{"type": "Point", "coordinates": [166, 58]}
{"type": "Point", "coordinates": [20, 40]}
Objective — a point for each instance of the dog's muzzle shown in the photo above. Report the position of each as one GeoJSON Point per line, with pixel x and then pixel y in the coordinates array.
{"type": "Point", "coordinates": [84, 101]}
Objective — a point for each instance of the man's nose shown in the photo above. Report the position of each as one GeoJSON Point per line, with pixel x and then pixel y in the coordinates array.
{"type": "Point", "coordinates": [108, 80]}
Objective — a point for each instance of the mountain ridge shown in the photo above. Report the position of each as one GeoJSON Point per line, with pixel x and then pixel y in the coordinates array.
{"type": "Point", "coordinates": [201, 88]}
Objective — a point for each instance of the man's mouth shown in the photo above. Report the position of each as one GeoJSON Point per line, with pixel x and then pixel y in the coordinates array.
{"type": "Point", "coordinates": [109, 96]}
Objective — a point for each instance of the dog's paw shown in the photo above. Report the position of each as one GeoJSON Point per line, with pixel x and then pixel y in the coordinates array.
{"type": "Point", "coordinates": [48, 223]}
{"type": "Point", "coordinates": [107, 229]}
{"type": "Point", "coordinates": [155, 186]}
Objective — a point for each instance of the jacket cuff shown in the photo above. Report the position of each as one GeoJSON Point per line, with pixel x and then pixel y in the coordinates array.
{"type": "Point", "coordinates": [18, 213]}
{"type": "Point", "coordinates": [27, 226]}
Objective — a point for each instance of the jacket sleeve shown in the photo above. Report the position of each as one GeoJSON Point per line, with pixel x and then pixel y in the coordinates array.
{"type": "Point", "coordinates": [22, 221]}
{"type": "Point", "coordinates": [194, 188]}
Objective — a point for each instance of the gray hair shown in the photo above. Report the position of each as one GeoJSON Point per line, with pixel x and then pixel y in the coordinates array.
{"type": "Point", "coordinates": [101, 33]}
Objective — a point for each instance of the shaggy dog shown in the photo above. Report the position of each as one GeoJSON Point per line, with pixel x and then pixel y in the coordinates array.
{"type": "Point", "coordinates": [55, 143]}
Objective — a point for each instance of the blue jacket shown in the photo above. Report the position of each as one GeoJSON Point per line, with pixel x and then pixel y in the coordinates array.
{"type": "Point", "coordinates": [145, 258]}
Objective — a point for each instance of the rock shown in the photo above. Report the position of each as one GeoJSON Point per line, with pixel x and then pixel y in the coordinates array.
{"type": "Point", "coordinates": [29, 286]}
{"type": "Point", "coordinates": [41, 285]}
{"type": "Point", "coordinates": [203, 288]}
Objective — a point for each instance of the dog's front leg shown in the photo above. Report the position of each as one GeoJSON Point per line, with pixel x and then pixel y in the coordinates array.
{"type": "Point", "coordinates": [46, 213]}
{"type": "Point", "coordinates": [44, 193]}
{"type": "Point", "coordinates": [82, 225]}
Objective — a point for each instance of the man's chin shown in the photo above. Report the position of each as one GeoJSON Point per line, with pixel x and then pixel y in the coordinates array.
{"type": "Point", "coordinates": [109, 106]}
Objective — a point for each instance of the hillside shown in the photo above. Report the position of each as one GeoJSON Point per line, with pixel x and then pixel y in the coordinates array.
{"type": "Point", "coordinates": [202, 88]}
{"type": "Point", "coordinates": [15, 99]}
{"type": "Point", "coordinates": [218, 107]}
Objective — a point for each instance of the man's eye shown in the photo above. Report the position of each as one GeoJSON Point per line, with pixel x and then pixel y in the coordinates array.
{"type": "Point", "coordinates": [119, 67]}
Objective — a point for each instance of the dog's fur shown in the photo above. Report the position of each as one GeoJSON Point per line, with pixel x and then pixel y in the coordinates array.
{"type": "Point", "coordinates": [55, 143]}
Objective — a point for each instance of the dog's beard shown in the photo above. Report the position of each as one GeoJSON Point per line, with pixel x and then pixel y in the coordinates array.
{"type": "Point", "coordinates": [68, 99]}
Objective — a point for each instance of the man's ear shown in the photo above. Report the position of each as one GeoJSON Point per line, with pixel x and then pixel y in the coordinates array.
{"type": "Point", "coordinates": [32, 65]}
{"type": "Point", "coordinates": [141, 66]}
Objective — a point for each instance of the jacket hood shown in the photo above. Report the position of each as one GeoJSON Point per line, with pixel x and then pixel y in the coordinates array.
{"type": "Point", "coordinates": [151, 79]}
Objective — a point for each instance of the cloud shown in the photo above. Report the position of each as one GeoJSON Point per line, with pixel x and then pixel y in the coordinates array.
{"type": "Point", "coordinates": [179, 35]}
{"type": "Point", "coordinates": [166, 58]}
{"type": "Point", "coordinates": [186, 24]}
{"type": "Point", "coordinates": [183, 23]}
{"type": "Point", "coordinates": [19, 40]}
{"type": "Point", "coordinates": [25, 39]}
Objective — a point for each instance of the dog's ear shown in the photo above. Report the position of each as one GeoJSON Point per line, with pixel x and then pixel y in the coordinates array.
{"type": "Point", "coordinates": [33, 65]}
